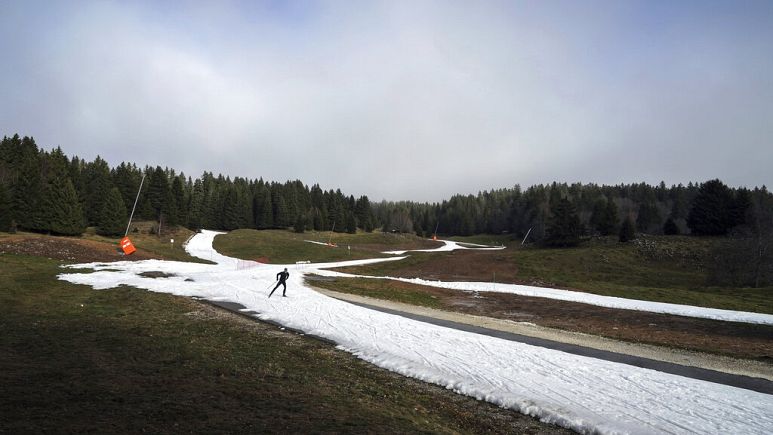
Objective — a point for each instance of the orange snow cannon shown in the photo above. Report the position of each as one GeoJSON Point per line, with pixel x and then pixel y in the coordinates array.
{"type": "Point", "coordinates": [126, 246]}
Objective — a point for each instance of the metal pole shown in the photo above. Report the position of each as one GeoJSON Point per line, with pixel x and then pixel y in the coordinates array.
{"type": "Point", "coordinates": [135, 206]}
{"type": "Point", "coordinates": [524, 237]}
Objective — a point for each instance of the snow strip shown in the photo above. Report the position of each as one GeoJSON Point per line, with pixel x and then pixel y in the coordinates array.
{"type": "Point", "coordinates": [581, 393]}
{"type": "Point", "coordinates": [585, 298]}
{"type": "Point", "coordinates": [450, 245]}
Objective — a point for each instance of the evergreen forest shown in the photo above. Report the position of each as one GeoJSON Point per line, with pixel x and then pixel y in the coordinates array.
{"type": "Point", "coordinates": [49, 192]}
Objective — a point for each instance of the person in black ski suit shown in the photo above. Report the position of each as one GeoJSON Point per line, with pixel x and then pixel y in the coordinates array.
{"type": "Point", "coordinates": [281, 277]}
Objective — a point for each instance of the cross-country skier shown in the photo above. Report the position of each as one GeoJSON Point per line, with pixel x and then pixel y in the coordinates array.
{"type": "Point", "coordinates": [281, 278]}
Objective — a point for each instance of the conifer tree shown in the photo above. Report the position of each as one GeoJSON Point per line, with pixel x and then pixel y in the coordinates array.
{"type": "Point", "coordinates": [280, 209]}
{"type": "Point", "coordinates": [670, 228]}
{"type": "Point", "coordinates": [177, 196]}
{"type": "Point", "coordinates": [126, 177]}
{"type": "Point", "coordinates": [158, 194]}
{"type": "Point", "coordinates": [564, 228]}
{"type": "Point", "coordinates": [317, 219]}
{"type": "Point", "coordinates": [264, 209]}
{"type": "Point", "coordinates": [711, 213]}
{"type": "Point", "coordinates": [351, 223]}
{"type": "Point", "coordinates": [114, 216]}
{"type": "Point", "coordinates": [362, 211]}
{"type": "Point", "coordinates": [63, 211]}
{"type": "Point", "coordinates": [5, 210]}
{"type": "Point", "coordinates": [627, 230]}
{"type": "Point", "coordinates": [597, 217]}
{"type": "Point", "coordinates": [300, 223]}
{"type": "Point", "coordinates": [97, 183]}
{"type": "Point", "coordinates": [27, 189]}
{"type": "Point", "coordinates": [230, 212]}
{"type": "Point", "coordinates": [609, 223]}
{"type": "Point", "coordinates": [196, 205]}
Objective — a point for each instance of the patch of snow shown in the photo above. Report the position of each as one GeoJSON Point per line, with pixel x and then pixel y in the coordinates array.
{"type": "Point", "coordinates": [450, 245]}
{"type": "Point", "coordinates": [317, 243]}
{"type": "Point", "coordinates": [585, 298]}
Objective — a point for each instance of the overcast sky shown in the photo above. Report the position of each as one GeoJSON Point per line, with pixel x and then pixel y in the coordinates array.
{"type": "Point", "coordinates": [399, 99]}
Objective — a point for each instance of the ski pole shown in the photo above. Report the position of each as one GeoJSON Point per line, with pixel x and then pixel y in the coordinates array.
{"type": "Point", "coordinates": [272, 291]}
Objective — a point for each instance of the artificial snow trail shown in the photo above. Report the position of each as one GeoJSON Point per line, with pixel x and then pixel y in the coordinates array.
{"type": "Point", "coordinates": [585, 394]}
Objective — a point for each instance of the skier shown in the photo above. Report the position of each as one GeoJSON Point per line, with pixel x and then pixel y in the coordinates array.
{"type": "Point", "coordinates": [281, 278]}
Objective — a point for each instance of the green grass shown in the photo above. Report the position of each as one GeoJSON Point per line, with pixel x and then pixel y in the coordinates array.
{"type": "Point", "coordinates": [281, 246]}
{"type": "Point", "coordinates": [76, 360]}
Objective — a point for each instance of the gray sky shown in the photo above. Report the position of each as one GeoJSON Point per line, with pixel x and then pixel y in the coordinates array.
{"type": "Point", "coordinates": [400, 99]}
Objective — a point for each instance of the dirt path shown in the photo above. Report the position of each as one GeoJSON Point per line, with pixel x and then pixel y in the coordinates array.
{"type": "Point", "coordinates": [718, 363]}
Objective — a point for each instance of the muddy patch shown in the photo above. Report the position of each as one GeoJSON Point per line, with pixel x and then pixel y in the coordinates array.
{"type": "Point", "coordinates": [156, 274]}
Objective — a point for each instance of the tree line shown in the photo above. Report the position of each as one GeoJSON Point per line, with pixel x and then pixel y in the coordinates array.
{"type": "Point", "coordinates": [549, 213]}
{"type": "Point", "coordinates": [45, 191]}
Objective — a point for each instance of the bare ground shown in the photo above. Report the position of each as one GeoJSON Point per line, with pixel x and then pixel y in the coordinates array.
{"type": "Point", "coordinates": [67, 249]}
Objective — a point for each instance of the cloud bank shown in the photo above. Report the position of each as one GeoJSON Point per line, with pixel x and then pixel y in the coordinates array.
{"type": "Point", "coordinates": [399, 100]}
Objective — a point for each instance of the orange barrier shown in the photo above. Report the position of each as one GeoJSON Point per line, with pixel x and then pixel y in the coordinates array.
{"type": "Point", "coordinates": [126, 246]}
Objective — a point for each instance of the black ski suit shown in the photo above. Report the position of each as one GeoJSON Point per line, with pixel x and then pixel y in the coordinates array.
{"type": "Point", "coordinates": [281, 277]}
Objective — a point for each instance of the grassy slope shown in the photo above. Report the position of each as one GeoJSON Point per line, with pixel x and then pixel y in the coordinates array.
{"type": "Point", "coordinates": [280, 246]}
{"type": "Point", "coordinates": [154, 244]}
{"type": "Point", "coordinates": [77, 360]}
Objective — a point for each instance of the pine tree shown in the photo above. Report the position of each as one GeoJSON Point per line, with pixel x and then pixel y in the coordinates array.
{"type": "Point", "coordinates": [230, 212]}
{"type": "Point", "coordinates": [648, 217]}
{"type": "Point", "coordinates": [362, 211]}
{"type": "Point", "coordinates": [598, 216]}
{"type": "Point", "coordinates": [609, 224]}
{"type": "Point", "coordinates": [114, 214]}
{"type": "Point", "coordinates": [158, 194]}
{"type": "Point", "coordinates": [63, 210]}
{"type": "Point", "coordinates": [5, 210]}
{"type": "Point", "coordinates": [627, 230]}
{"type": "Point", "coordinates": [27, 189]}
{"type": "Point", "coordinates": [177, 194]}
{"type": "Point", "coordinates": [564, 228]}
{"type": "Point", "coordinates": [97, 183]}
{"type": "Point", "coordinates": [126, 177]}
{"type": "Point", "coordinates": [264, 209]}
{"type": "Point", "coordinates": [318, 222]}
{"type": "Point", "coordinates": [712, 210]}
{"type": "Point", "coordinates": [300, 223]}
{"type": "Point", "coordinates": [670, 228]}
{"type": "Point", "coordinates": [280, 209]}
{"type": "Point", "coordinates": [351, 223]}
